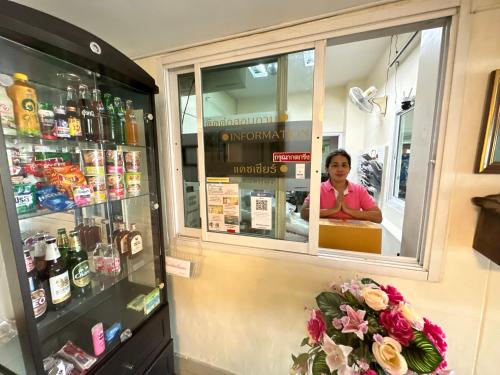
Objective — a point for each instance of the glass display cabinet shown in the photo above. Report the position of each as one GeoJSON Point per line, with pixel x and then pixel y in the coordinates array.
{"type": "Point", "coordinates": [82, 276]}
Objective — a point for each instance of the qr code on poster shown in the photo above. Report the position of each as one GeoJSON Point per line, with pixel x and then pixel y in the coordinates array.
{"type": "Point", "coordinates": [261, 205]}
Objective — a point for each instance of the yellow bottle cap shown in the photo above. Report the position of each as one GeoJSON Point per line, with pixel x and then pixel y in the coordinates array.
{"type": "Point", "coordinates": [21, 76]}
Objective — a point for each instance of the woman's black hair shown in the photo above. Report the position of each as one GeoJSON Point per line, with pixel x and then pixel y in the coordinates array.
{"type": "Point", "coordinates": [335, 153]}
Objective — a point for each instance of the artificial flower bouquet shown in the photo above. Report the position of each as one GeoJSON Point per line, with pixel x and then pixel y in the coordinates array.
{"type": "Point", "coordinates": [364, 328]}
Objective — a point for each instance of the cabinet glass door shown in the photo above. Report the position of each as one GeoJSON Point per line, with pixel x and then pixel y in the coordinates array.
{"type": "Point", "coordinates": [80, 187]}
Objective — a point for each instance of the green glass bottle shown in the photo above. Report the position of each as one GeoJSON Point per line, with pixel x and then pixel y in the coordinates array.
{"type": "Point", "coordinates": [63, 244]}
{"type": "Point", "coordinates": [78, 267]}
{"type": "Point", "coordinates": [119, 121]}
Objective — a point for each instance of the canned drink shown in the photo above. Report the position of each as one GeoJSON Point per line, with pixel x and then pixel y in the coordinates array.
{"type": "Point", "coordinates": [114, 161]}
{"type": "Point", "coordinates": [116, 188]}
{"type": "Point", "coordinates": [93, 160]}
{"type": "Point", "coordinates": [133, 183]}
{"type": "Point", "coordinates": [132, 161]}
{"type": "Point", "coordinates": [98, 187]}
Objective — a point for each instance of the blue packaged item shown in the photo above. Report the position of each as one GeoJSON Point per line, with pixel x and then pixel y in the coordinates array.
{"type": "Point", "coordinates": [49, 197]}
{"type": "Point", "coordinates": [113, 332]}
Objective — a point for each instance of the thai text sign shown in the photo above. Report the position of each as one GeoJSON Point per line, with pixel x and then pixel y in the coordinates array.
{"type": "Point", "coordinates": [291, 157]}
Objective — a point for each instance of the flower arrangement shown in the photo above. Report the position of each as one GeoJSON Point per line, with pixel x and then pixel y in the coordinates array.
{"type": "Point", "coordinates": [364, 328]}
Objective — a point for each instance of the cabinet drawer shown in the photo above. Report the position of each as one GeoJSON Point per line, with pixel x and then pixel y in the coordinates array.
{"type": "Point", "coordinates": [164, 363]}
{"type": "Point", "coordinates": [141, 350]}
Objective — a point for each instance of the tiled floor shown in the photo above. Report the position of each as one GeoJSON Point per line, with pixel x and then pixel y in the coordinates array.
{"type": "Point", "coordinates": [189, 367]}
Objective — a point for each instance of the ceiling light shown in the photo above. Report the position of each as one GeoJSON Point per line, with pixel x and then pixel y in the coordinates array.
{"type": "Point", "coordinates": [258, 71]}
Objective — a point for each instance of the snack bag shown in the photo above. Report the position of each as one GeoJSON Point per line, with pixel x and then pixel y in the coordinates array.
{"type": "Point", "coordinates": [77, 356]}
{"type": "Point", "coordinates": [24, 195]}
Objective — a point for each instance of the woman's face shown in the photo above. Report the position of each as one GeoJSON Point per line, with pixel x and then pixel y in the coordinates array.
{"type": "Point", "coordinates": [338, 169]}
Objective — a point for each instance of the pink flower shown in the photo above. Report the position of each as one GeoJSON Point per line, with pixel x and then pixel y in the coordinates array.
{"type": "Point", "coordinates": [397, 326]}
{"type": "Point", "coordinates": [369, 372]}
{"type": "Point", "coordinates": [354, 322]}
{"type": "Point", "coordinates": [316, 326]}
{"type": "Point", "coordinates": [437, 337]}
{"type": "Point", "coordinates": [394, 296]}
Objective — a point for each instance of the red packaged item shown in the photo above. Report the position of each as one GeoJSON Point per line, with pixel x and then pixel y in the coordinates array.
{"type": "Point", "coordinates": [77, 356]}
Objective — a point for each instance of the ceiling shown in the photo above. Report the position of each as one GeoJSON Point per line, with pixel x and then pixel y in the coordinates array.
{"type": "Point", "coordinates": [144, 28]}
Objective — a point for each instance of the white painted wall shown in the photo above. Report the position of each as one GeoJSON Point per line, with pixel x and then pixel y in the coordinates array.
{"type": "Point", "coordinates": [246, 313]}
{"type": "Point", "coordinates": [334, 115]}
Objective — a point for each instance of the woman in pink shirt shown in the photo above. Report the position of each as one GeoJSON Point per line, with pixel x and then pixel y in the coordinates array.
{"type": "Point", "coordinates": [341, 199]}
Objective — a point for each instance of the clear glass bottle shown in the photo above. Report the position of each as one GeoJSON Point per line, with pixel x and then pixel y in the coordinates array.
{"type": "Point", "coordinates": [88, 117]}
{"type": "Point", "coordinates": [102, 117]}
{"type": "Point", "coordinates": [119, 121]}
{"type": "Point", "coordinates": [131, 131]}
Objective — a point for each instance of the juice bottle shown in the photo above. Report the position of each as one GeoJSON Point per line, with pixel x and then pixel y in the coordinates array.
{"type": "Point", "coordinates": [131, 136]}
{"type": "Point", "coordinates": [25, 103]}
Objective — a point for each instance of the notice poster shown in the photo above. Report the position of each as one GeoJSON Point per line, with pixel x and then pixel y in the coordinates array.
{"type": "Point", "coordinates": [223, 201]}
{"type": "Point", "coordinates": [261, 206]}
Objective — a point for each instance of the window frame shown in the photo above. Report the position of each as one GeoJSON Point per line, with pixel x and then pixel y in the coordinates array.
{"type": "Point", "coordinates": [317, 32]}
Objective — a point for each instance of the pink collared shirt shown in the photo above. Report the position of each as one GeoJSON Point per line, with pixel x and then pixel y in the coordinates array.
{"type": "Point", "coordinates": [355, 196]}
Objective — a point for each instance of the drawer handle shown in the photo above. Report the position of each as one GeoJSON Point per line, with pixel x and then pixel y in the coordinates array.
{"type": "Point", "coordinates": [128, 366]}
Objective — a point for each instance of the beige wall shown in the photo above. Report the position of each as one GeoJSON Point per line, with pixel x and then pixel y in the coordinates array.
{"type": "Point", "coordinates": [246, 313]}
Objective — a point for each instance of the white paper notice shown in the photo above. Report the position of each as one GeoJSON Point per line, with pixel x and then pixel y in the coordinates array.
{"type": "Point", "coordinates": [300, 171]}
{"type": "Point", "coordinates": [261, 206]}
{"type": "Point", "coordinates": [223, 201]}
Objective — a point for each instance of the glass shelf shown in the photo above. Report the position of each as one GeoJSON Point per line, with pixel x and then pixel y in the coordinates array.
{"type": "Point", "coordinates": [46, 211]}
{"type": "Point", "coordinates": [57, 320]}
{"type": "Point", "coordinates": [70, 143]}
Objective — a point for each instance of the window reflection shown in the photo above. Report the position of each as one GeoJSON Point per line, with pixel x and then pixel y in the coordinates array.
{"type": "Point", "coordinates": [257, 119]}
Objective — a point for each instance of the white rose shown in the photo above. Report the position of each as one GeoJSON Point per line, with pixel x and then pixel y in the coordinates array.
{"type": "Point", "coordinates": [388, 356]}
{"type": "Point", "coordinates": [411, 316]}
{"type": "Point", "coordinates": [375, 298]}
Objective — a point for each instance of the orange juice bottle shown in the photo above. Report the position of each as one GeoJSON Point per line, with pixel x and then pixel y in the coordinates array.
{"type": "Point", "coordinates": [131, 132]}
{"type": "Point", "coordinates": [25, 104]}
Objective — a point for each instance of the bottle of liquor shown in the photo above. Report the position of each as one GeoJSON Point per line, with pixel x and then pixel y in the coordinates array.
{"type": "Point", "coordinates": [78, 266]}
{"type": "Point", "coordinates": [101, 114]}
{"type": "Point", "coordinates": [63, 244]}
{"type": "Point", "coordinates": [134, 240]}
{"type": "Point", "coordinates": [57, 274]}
{"type": "Point", "coordinates": [88, 117]}
{"type": "Point", "coordinates": [76, 130]}
{"type": "Point", "coordinates": [38, 298]}
{"type": "Point", "coordinates": [120, 121]}
{"type": "Point", "coordinates": [131, 132]}
{"type": "Point", "coordinates": [120, 238]}
{"type": "Point", "coordinates": [94, 234]}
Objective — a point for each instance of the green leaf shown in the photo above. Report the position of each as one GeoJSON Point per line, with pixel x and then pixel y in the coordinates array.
{"type": "Point", "coordinates": [379, 370]}
{"type": "Point", "coordinates": [319, 364]}
{"type": "Point", "coordinates": [351, 300]}
{"type": "Point", "coordinates": [305, 341]}
{"type": "Point", "coordinates": [329, 304]}
{"type": "Point", "coordinates": [421, 355]}
{"type": "Point", "coordinates": [367, 280]}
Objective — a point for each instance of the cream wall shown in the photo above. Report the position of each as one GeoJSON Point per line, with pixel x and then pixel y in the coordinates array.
{"type": "Point", "coordinates": [246, 313]}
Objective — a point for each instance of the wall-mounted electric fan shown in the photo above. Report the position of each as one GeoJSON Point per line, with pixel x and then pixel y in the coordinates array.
{"type": "Point", "coordinates": [366, 99]}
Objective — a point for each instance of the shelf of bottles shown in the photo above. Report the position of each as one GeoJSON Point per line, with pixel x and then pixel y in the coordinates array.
{"type": "Point", "coordinates": [78, 161]}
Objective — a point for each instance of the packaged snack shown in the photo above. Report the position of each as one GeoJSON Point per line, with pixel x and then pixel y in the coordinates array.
{"type": "Point", "coordinates": [132, 161]}
{"type": "Point", "coordinates": [77, 356]}
{"type": "Point", "coordinates": [24, 195]}
{"type": "Point", "coordinates": [93, 161]}
{"type": "Point", "coordinates": [83, 195]}
{"type": "Point", "coordinates": [133, 182]}
{"type": "Point", "coordinates": [98, 186]}
{"type": "Point", "coordinates": [113, 332]}
{"type": "Point", "coordinates": [116, 187]}
{"type": "Point", "coordinates": [45, 160]}
{"type": "Point", "coordinates": [57, 366]}
{"type": "Point", "coordinates": [114, 162]}
{"type": "Point", "coordinates": [137, 303]}
{"type": "Point", "coordinates": [14, 160]}
{"type": "Point", "coordinates": [49, 197]}
{"type": "Point", "coordinates": [66, 178]}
